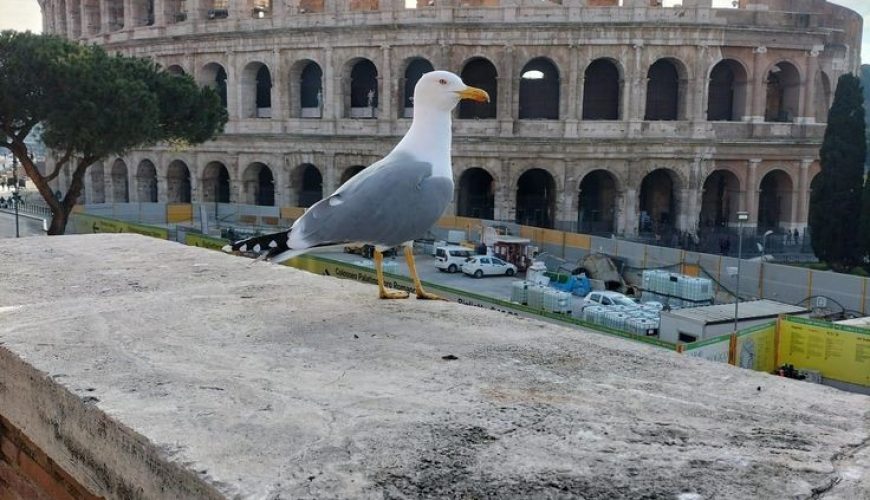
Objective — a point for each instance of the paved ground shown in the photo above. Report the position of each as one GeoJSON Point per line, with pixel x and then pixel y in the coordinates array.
{"type": "Point", "coordinates": [154, 370]}
{"type": "Point", "coordinates": [26, 226]}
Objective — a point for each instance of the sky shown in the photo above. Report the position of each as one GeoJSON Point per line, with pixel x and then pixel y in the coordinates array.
{"type": "Point", "coordinates": [24, 15]}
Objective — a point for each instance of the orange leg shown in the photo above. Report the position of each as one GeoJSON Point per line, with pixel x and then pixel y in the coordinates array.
{"type": "Point", "coordinates": [379, 270]}
{"type": "Point", "coordinates": [418, 287]}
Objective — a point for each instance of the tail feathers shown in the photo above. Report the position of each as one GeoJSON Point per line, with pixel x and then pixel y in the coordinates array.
{"type": "Point", "coordinates": [266, 246]}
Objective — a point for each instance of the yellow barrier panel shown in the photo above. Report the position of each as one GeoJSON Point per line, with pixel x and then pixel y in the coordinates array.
{"type": "Point", "coordinates": [179, 212]}
{"type": "Point", "coordinates": [691, 270]}
{"type": "Point", "coordinates": [292, 212]}
{"type": "Point", "coordinates": [448, 221]}
{"type": "Point", "coordinates": [85, 224]}
{"type": "Point", "coordinates": [755, 348]}
{"type": "Point", "coordinates": [578, 241]}
{"type": "Point", "coordinates": [837, 352]}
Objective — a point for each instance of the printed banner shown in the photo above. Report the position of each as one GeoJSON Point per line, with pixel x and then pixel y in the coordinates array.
{"type": "Point", "coordinates": [714, 349]}
{"type": "Point", "coordinates": [89, 224]}
{"type": "Point", "coordinates": [756, 348]}
{"type": "Point", "coordinates": [837, 352]}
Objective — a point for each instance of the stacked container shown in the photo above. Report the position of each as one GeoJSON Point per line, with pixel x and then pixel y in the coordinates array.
{"type": "Point", "coordinates": [676, 290]}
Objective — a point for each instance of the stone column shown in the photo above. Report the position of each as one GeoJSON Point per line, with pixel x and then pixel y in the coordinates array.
{"type": "Point", "coordinates": [635, 100]}
{"type": "Point", "coordinates": [331, 83]}
{"type": "Point", "coordinates": [279, 87]}
{"type": "Point", "coordinates": [502, 209]}
{"type": "Point", "coordinates": [162, 187]}
{"type": "Point", "coordinates": [759, 87]}
{"type": "Point", "coordinates": [387, 96]}
{"type": "Point", "coordinates": [129, 21]}
{"type": "Point", "coordinates": [751, 191]}
{"type": "Point", "coordinates": [234, 87]}
{"type": "Point", "coordinates": [803, 207]}
{"type": "Point", "coordinates": [574, 104]}
{"type": "Point", "coordinates": [330, 175]}
{"type": "Point", "coordinates": [505, 112]}
{"type": "Point", "coordinates": [809, 106]}
{"type": "Point", "coordinates": [628, 210]}
{"type": "Point", "coordinates": [700, 84]}
{"type": "Point", "coordinates": [160, 13]}
{"type": "Point", "coordinates": [105, 18]}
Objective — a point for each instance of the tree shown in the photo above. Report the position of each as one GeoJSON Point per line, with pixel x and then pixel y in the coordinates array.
{"type": "Point", "coordinates": [92, 105]}
{"type": "Point", "coordinates": [835, 203]}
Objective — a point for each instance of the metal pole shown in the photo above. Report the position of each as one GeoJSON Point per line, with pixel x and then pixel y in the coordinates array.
{"type": "Point", "coordinates": [15, 194]}
{"type": "Point", "coordinates": [739, 258]}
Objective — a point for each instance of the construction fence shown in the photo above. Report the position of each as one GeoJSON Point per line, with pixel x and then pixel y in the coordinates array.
{"type": "Point", "coordinates": [839, 353]}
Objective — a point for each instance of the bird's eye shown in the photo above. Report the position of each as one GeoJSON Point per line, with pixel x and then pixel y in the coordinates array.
{"type": "Point", "coordinates": [442, 81]}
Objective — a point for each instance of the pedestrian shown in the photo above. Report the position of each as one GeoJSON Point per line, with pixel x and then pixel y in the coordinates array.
{"type": "Point", "coordinates": [727, 245]}
{"type": "Point", "coordinates": [796, 236]}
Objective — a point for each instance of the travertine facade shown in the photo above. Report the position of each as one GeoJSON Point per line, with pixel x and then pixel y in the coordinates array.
{"type": "Point", "coordinates": [606, 118]}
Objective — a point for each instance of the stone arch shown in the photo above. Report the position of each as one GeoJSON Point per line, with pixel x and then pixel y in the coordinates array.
{"type": "Point", "coordinates": [306, 89]}
{"type": "Point", "coordinates": [783, 91]}
{"type": "Point", "coordinates": [146, 182]}
{"type": "Point", "coordinates": [726, 93]}
{"type": "Point", "coordinates": [98, 184]}
{"type": "Point", "coordinates": [120, 183]}
{"type": "Point", "coordinates": [256, 91]}
{"type": "Point", "coordinates": [536, 198]}
{"type": "Point", "coordinates": [602, 90]}
{"type": "Point", "coordinates": [823, 96]}
{"type": "Point", "coordinates": [258, 185]}
{"type": "Point", "coordinates": [215, 184]}
{"type": "Point", "coordinates": [658, 201]}
{"type": "Point", "coordinates": [143, 12]}
{"type": "Point", "coordinates": [178, 186]}
{"type": "Point", "coordinates": [775, 192]}
{"type": "Point", "coordinates": [481, 73]}
{"type": "Point", "coordinates": [175, 69]}
{"type": "Point", "coordinates": [596, 202]}
{"type": "Point", "coordinates": [214, 76]}
{"type": "Point", "coordinates": [539, 90]}
{"type": "Point", "coordinates": [665, 90]}
{"type": "Point", "coordinates": [309, 184]}
{"type": "Point", "coordinates": [363, 94]}
{"type": "Point", "coordinates": [476, 194]}
{"type": "Point", "coordinates": [351, 171]}
{"type": "Point", "coordinates": [415, 68]}
{"type": "Point", "coordinates": [720, 199]}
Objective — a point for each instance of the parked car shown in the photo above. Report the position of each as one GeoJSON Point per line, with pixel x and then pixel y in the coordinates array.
{"type": "Point", "coordinates": [607, 298]}
{"type": "Point", "coordinates": [451, 258]}
{"type": "Point", "coordinates": [483, 265]}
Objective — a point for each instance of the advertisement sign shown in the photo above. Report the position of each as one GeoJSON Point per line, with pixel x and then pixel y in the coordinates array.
{"type": "Point", "coordinates": [756, 348]}
{"type": "Point", "coordinates": [714, 349]}
{"type": "Point", "coordinates": [837, 352]}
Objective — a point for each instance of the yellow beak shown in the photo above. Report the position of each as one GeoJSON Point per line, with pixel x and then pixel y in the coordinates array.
{"type": "Point", "coordinates": [475, 94]}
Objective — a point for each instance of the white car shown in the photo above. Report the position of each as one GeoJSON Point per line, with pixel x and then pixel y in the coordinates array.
{"type": "Point", "coordinates": [484, 265]}
{"type": "Point", "coordinates": [606, 298]}
{"type": "Point", "coordinates": [451, 258]}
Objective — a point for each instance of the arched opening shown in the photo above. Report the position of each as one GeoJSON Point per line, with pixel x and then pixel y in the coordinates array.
{"type": "Point", "coordinates": [215, 183]}
{"type": "Point", "coordinates": [93, 20]}
{"type": "Point", "coordinates": [146, 182]}
{"type": "Point", "coordinates": [539, 90]}
{"type": "Point", "coordinates": [349, 172]}
{"type": "Point", "coordinates": [783, 93]}
{"type": "Point", "coordinates": [663, 91]}
{"type": "Point", "coordinates": [175, 69]}
{"type": "Point", "coordinates": [658, 202]}
{"type": "Point", "coordinates": [143, 12]}
{"type": "Point", "coordinates": [120, 184]}
{"type": "Point", "coordinates": [774, 200]}
{"type": "Point", "coordinates": [309, 183]}
{"type": "Point", "coordinates": [115, 11]}
{"type": "Point", "coordinates": [597, 203]}
{"type": "Point", "coordinates": [178, 187]}
{"type": "Point", "coordinates": [363, 89]}
{"type": "Point", "coordinates": [823, 96]}
{"type": "Point", "coordinates": [476, 194]}
{"type": "Point", "coordinates": [536, 198]}
{"type": "Point", "coordinates": [601, 91]}
{"type": "Point", "coordinates": [256, 91]}
{"type": "Point", "coordinates": [720, 200]}
{"type": "Point", "coordinates": [259, 185]}
{"type": "Point", "coordinates": [98, 184]}
{"type": "Point", "coordinates": [726, 96]}
{"type": "Point", "coordinates": [415, 70]}
{"type": "Point", "coordinates": [480, 73]}
{"type": "Point", "coordinates": [311, 90]}
{"type": "Point", "coordinates": [214, 76]}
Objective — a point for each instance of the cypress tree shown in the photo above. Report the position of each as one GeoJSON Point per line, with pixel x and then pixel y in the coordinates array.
{"type": "Point", "coordinates": [835, 203]}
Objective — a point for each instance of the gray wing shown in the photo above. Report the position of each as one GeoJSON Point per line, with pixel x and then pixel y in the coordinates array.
{"type": "Point", "coordinates": [397, 201]}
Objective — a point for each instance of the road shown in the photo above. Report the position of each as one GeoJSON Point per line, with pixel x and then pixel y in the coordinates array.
{"type": "Point", "coordinates": [27, 225]}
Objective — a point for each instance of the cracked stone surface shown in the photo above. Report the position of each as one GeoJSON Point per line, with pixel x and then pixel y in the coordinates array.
{"type": "Point", "coordinates": [140, 364]}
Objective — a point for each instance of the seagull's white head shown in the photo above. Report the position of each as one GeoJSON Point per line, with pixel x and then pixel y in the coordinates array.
{"type": "Point", "coordinates": [442, 90]}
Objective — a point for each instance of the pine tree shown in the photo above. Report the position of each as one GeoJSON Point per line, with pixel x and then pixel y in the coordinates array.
{"type": "Point", "coordinates": [835, 203]}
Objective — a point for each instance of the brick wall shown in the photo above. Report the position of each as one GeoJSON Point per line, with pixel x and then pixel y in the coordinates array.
{"type": "Point", "coordinates": [26, 473]}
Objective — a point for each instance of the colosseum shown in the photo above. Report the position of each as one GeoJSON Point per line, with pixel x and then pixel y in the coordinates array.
{"type": "Point", "coordinates": [608, 116]}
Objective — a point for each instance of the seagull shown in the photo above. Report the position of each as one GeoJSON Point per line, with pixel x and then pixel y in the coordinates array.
{"type": "Point", "coordinates": [391, 202]}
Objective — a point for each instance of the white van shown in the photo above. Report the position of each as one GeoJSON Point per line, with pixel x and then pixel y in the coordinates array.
{"type": "Point", "coordinates": [450, 258]}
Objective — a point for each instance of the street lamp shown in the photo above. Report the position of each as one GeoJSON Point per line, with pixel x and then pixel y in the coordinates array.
{"type": "Point", "coordinates": [15, 197]}
{"type": "Point", "coordinates": [741, 218]}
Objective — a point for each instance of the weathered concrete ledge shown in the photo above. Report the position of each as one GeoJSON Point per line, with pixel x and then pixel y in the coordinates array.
{"type": "Point", "coordinates": [147, 369]}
